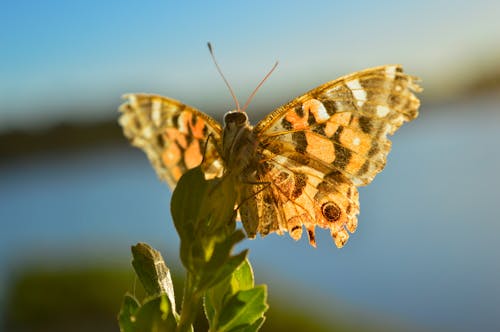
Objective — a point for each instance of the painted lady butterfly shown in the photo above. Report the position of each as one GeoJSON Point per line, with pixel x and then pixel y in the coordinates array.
{"type": "Point", "coordinates": [300, 165]}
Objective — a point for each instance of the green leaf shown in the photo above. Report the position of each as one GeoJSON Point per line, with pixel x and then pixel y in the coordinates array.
{"type": "Point", "coordinates": [250, 328]}
{"type": "Point", "coordinates": [187, 200]}
{"type": "Point", "coordinates": [243, 309]}
{"type": "Point", "coordinates": [220, 207]}
{"type": "Point", "coordinates": [126, 317]}
{"type": "Point", "coordinates": [155, 315]}
{"type": "Point", "coordinates": [218, 285]}
{"type": "Point", "coordinates": [209, 307]}
{"type": "Point", "coordinates": [153, 272]}
{"type": "Point", "coordinates": [203, 213]}
{"type": "Point", "coordinates": [208, 280]}
{"type": "Point", "coordinates": [202, 205]}
{"type": "Point", "coordinates": [222, 252]}
{"type": "Point", "coordinates": [240, 279]}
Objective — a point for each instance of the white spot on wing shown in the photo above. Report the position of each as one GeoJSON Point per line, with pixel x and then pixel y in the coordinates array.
{"type": "Point", "coordinates": [390, 71]}
{"type": "Point", "coordinates": [322, 113]}
{"type": "Point", "coordinates": [382, 111]}
{"type": "Point", "coordinates": [156, 112]}
{"type": "Point", "coordinates": [124, 120]}
{"type": "Point", "coordinates": [317, 108]}
{"type": "Point", "coordinates": [147, 132]}
{"type": "Point", "coordinates": [356, 141]}
{"type": "Point", "coordinates": [358, 92]}
{"type": "Point", "coordinates": [182, 124]}
{"type": "Point", "coordinates": [133, 100]}
{"type": "Point", "coordinates": [357, 182]}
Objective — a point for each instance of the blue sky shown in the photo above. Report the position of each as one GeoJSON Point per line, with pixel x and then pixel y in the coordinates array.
{"type": "Point", "coordinates": [71, 60]}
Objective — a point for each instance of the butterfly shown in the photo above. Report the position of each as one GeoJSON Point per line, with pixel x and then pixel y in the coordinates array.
{"type": "Point", "coordinates": [301, 165]}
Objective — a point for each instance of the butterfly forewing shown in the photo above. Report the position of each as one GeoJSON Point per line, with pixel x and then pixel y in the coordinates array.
{"type": "Point", "coordinates": [172, 135]}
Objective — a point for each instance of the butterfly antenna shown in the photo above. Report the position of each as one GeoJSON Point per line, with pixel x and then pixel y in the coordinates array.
{"type": "Point", "coordinates": [258, 86]}
{"type": "Point", "coordinates": [223, 77]}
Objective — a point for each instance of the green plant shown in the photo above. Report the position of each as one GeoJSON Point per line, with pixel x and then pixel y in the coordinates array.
{"type": "Point", "coordinates": [204, 217]}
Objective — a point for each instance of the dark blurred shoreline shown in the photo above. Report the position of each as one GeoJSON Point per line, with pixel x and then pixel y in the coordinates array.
{"type": "Point", "coordinates": [61, 137]}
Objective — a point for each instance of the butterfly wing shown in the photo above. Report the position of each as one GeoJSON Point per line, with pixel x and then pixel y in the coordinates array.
{"type": "Point", "coordinates": [174, 136]}
{"type": "Point", "coordinates": [293, 193]}
{"type": "Point", "coordinates": [317, 148]}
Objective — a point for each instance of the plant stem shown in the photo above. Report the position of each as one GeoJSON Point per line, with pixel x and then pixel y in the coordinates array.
{"type": "Point", "coordinates": [191, 301]}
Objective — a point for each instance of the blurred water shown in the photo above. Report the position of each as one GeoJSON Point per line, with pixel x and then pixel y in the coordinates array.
{"type": "Point", "coordinates": [425, 253]}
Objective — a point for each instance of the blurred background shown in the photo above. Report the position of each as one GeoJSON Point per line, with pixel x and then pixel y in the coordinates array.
{"type": "Point", "coordinates": [74, 195]}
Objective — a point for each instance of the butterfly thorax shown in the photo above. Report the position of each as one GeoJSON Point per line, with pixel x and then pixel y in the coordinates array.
{"type": "Point", "coordinates": [238, 143]}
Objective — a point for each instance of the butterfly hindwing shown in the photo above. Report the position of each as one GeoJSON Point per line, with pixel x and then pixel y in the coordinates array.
{"type": "Point", "coordinates": [172, 135]}
{"type": "Point", "coordinates": [296, 193]}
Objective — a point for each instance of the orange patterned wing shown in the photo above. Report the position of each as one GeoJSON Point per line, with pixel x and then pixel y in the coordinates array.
{"type": "Point", "coordinates": [317, 148]}
{"type": "Point", "coordinates": [172, 135]}
{"type": "Point", "coordinates": [296, 193]}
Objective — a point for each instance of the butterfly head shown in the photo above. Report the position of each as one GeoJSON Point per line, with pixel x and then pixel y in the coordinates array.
{"type": "Point", "coordinates": [236, 119]}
